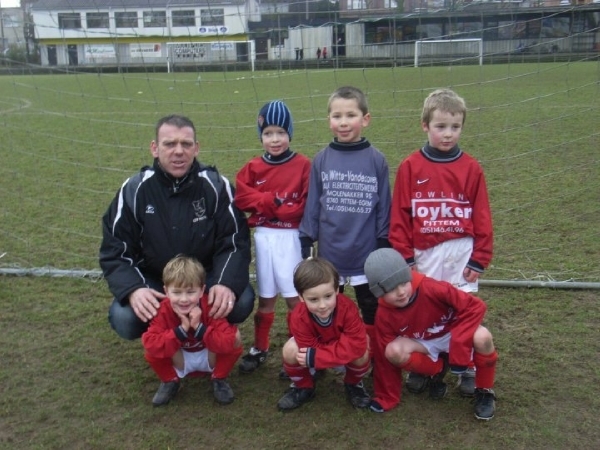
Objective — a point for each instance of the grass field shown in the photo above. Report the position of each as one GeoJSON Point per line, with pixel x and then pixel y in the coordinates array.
{"type": "Point", "coordinates": [70, 141]}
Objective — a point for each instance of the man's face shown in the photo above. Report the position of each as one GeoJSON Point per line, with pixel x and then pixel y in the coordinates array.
{"type": "Point", "coordinates": [175, 149]}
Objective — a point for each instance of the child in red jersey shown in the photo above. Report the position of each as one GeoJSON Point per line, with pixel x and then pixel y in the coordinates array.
{"type": "Point", "coordinates": [327, 331]}
{"type": "Point", "coordinates": [272, 189]}
{"type": "Point", "coordinates": [421, 325]}
{"type": "Point", "coordinates": [184, 339]}
{"type": "Point", "coordinates": [440, 217]}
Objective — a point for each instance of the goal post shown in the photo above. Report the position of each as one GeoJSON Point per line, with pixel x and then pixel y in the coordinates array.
{"type": "Point", "coordinates": [448, 50]}
{"type": "Point", "coordinates": [191, 53]}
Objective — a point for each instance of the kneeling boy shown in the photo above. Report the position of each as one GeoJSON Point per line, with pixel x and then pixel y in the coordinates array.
{"type": "Point", "coordinates": [421, 325]}
{"type": "Point", "coordinates": [327, 331]}
{"type": "Point", "coordinates": [184, 340]}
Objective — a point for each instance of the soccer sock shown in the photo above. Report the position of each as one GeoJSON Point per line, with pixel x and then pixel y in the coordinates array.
{"type": "Point", "coordinates": [485, 369]}
{"type": "Point", "coordinates": [299, 375]}
{"type": "Point", "coordinates": [354, 373]}
{"type": "Point", "coordinates": [225, 362]}
{"type": "Point", "coordinates": [163, 367]}
{"type": "Point", "coordinates": [371, 334]}
{"type": "Point", "coordinates": [422, 364]}
{"type": "Point", "coordinates": [288, 319]}
{"type": "Point", "coordinates": [262, 327]}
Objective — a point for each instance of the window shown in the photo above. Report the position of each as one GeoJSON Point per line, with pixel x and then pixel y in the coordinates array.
{"type": "Point", "coordinates": [69, 21]}
{"type": "Point", "coordinates": [155, 19]}
{"type": "Point", "coordinates": [97, 20]}
{"type": "Point", "coordinates": [186, 18]}
{"type": "Point", "coordinates": [126, 19]}
{"type": "Point", "coordinates": [212, 17]}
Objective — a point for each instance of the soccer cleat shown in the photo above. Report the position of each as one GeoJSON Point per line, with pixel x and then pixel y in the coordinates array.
{"type": "Point", "coordinates": [222, 391]}
{"type": "Point", "coordinates": [485, 404]}
{"type": "Point", "coordinates": [376, 407]}
{"type": "Point", "coordinates": [283, 375]}
{"type": "Point", "coordinates": [466, 383]}
{"type": "Point", "coordinates": [437, 387]}
{"type": "Point", "coordinates": [251, 361]}
{"type": "Point", "coordinates": [357, 395]}
{"type": "Point", "coordinates": [165, 393]}
{"type": "Point", "coordinates": [295, 397]}
{"type": "Point", "coordinates": [416, 383]}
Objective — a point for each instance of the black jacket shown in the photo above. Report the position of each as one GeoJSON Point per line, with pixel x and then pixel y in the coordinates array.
{"type": "Point", "coordinates": [155, 217]}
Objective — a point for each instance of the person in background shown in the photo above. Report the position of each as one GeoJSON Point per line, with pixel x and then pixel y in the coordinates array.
{"type": "Point", "coordinates": [183, 339]}
{"type": "Point", "coordinates": [176, 206]}
{"type": "Point", "coordinates": [272, 189]}
{"type": "Point", "coordinates": [441, 220]}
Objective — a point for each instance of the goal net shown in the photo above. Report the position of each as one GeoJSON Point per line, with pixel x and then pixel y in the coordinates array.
{"type": "Point", "coordinates": [448, 51]}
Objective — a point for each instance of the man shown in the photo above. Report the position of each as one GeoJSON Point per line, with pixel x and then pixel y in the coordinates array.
{"type": "Point", "coordinates": [177, 206]}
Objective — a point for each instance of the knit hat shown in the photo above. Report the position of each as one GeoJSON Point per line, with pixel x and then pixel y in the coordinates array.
{"type": "Point", "coordinates": [275, 113]}
{"type": "Point", "coordinates": [385, 269]}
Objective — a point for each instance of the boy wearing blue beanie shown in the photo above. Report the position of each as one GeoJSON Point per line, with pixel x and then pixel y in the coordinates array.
{"type": "Point", "coordinates": [272, 189]}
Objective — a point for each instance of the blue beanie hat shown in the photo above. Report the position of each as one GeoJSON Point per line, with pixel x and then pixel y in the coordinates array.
{"type": "Point", "coordinates": [275, 113]}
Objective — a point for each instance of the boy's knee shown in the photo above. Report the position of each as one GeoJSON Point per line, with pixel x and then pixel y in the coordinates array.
{"type": "Point", "coordinates": [123, 320]}
{"type": "Point", "coordinates": [483, 341]}
{"type": "Point", "coordinates": [289, 351]}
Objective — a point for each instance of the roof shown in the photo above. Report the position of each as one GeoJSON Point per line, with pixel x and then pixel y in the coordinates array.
{"type": "Point", "coordinates": [52, 5]}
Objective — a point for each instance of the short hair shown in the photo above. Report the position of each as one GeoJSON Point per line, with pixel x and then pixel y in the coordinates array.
{"type": "Point", "coordinates": [445, 100]}
{"type": "Point", "coordinates": [177, 121]}
{"type": "Point", "coordinates": [350, 93]}
{"type": "Point", "coordinates": [313, 272]}
{"type": "Point", "coordinates": [184, 271]}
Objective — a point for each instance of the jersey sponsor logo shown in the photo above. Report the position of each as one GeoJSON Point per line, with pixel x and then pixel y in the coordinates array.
{"type": "Point", "coordinates": [199, 210]}
{"type": "Point", "coordinates": [422, 181]}
{"type": "Point", "coordinates": [149, 209]}
{"type": "Point", "coordinates": [259, 182]}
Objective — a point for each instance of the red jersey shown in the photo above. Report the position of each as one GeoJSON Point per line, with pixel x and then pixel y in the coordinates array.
{"type": "Point", "coordinates": [438, 308]}
{"type": "Point", "coordinates": [340, 342]}
{"type": "Point", "coordinates": [161, 341]}
{"type": "Point", "coordinates": [262, 181]}
{"type": "Point", "coordinates": [436, 201]}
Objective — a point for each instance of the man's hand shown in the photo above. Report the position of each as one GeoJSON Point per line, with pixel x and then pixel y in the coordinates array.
{"type": "Point", "coordinates": [222, 301]}
{"type": "Point", "coordinates": [470, 275]}
{"type": "Point", "coordinates": [145, 303]}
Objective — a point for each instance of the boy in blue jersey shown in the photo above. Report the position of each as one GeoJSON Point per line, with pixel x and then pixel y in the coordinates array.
{"type": "Point", "coordinates": [349, 198]}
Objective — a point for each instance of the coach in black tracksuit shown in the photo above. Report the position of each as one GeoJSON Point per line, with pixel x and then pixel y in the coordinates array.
{"type": "Point", "coordinates": [176, 206]}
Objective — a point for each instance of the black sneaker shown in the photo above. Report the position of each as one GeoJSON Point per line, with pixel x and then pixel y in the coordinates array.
{"type": "Point", "coordinates": [165, 392]}
{"type": "Point", "coordinates": [416, 383]}
{"type": "Point", "coordinates": [466, 383]}
{"type": "Point", "coordinates": [251, 361]}
{"type": "Point", "coordinates": [295, 397]}
{"type": "Point", "coordinates": [485, 404]}
{"type": "Point", "coordinates": [437, 388]}
{"type": "Point", "coordinates": [222, 391]}
{"type": "Point", "coordinates": [357, 395]}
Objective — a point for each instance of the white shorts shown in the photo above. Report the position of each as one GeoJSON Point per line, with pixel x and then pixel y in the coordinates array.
{"type": "Point", "coordinates": [447, 261]}
{"type": "Point", "coordinates": [436, 346]}
{"type": "Point", "coordinates": [354, 280]}
{"type": "Point", "coordinates": [277, 255]}
{"type": "Point", "coordinates": [194, 362]}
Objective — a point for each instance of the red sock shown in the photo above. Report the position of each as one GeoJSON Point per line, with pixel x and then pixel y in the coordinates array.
{"type": "Point", "coordinates": [485, 369]}
{"type": "Point", "coordinates": [262, 327]}
{"type": "Point", "coordinates": [354, 374]}
{"type": "Point", "coordinates": [299, 375]}
{"type": "Point", "coordinates": [225, 362]}
{"type": "Point", "coordinates": [288, 318]}
{"type": "Point", "coordinates": [163, 367]}
{"type": "Point", "coordinates": [371, 334]}
{"type": "Point", "coordinates": [422, 364]}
